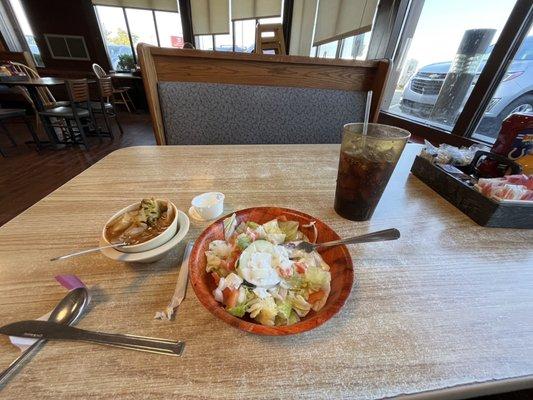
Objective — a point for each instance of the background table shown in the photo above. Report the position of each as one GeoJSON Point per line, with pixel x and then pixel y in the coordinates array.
{"type": "Point", "coordinates": [32, 84]}
{"type": "Point", "coordinates": [135, 81]}
{"type": "Point", "coordinates": [450, 305]}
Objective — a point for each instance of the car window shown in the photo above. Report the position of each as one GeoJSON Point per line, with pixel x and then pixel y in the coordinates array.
{"type": "Point", "coordinates": [525, 52]}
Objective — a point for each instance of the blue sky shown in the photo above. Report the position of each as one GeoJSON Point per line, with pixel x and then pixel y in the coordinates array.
{"type": "Point", "coordinates": [443, 22]}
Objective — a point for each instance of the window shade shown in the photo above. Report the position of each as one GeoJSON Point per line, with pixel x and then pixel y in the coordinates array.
{"type": "Point", "coordinates": [210, 17]}
{"type": "Point", "coordinates": [249, 9]}
{"type": "Point", "coordinates": [303, 22]}
{"type": "Point", "coordinates": [337, 19]}
{"type": "Point", "coordinates": [163, 5]}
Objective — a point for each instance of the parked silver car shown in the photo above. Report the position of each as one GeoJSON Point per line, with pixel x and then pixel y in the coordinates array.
{"type": "Point", "coordinates": [514, 94]}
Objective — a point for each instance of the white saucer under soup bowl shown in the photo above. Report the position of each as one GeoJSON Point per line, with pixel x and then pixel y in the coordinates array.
{"type": "Point", "coordinates": [152, 255]}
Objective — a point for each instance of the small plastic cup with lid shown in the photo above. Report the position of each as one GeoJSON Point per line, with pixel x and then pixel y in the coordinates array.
{"type": "Point", "coordinates": [207, 206]}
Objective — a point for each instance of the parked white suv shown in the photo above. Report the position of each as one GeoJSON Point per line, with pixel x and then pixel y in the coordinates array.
{"type": "Point", "coordinates": [514, 94]}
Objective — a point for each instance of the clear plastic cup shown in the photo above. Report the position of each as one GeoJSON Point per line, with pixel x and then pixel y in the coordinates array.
{"type": "Point", "coordinates": [365, 166]}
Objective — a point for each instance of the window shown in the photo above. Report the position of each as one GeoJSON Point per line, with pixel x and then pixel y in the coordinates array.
{"type": "Point", "coordinates": [224, 42]}
{"type": "Point", "coordinates": [142, 27]}
{"type": "Point", "coordinates": [169, 29]}
{"type": "Point", "coordinates": [327, 50]}
{"type": "Point", "coordinates": [244, 35]}
{"type": "Point", "coordinates": [350, 48]}
{"type": "Point", "coordinates": [241, 37]}
{"type": "Point", "coordinates": [204, 42]}
{"type": "Point", "coordinates": [272, 20]}
{"type": "Point", "coordinates": [27, 31]}
{"type": "Point", "coordinates": [116, 38]}
{"type": "Point", "coordinates": [514, 93]}
{"type": "Point", "coordinates": [440, 62]}
{"type": "Point", "coordinates": [123, 28]}
{"type": "Point", "coordinates": [355, 47]}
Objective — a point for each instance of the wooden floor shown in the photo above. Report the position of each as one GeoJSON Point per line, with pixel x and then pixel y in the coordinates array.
{"type": "Point", "coordinates": [27, 176]}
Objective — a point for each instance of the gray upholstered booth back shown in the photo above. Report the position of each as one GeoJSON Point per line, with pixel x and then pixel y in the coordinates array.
{"type": "Point", "coordinates": [213, 113]}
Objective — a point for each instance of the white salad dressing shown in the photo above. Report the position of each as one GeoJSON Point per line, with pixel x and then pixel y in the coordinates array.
{"type": "Point", "coordinates": [259, 270]}
{"type": "Point", "coordinates": [261, 292]}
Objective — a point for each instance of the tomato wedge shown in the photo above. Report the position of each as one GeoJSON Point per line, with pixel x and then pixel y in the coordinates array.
{"type": "Point", "coordinates": [230, 297]}
{"type": "Point", "coordinates": [216, 278]}
{"type": "Point", "coordinates": [316, 296]}
{"type": "Point", "coordinates": [300, 267]}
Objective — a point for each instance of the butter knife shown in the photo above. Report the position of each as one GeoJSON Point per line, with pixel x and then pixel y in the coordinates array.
{"type": "Point", "coordinates": [181, 285]}
{"type": "Point", "coordinates": [54, 331]}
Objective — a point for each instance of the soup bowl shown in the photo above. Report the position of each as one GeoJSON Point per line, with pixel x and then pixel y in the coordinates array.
{"type": "Point", "coordinates": [151, 244]}
{"type": "Point", "coordinates": [338, 258]}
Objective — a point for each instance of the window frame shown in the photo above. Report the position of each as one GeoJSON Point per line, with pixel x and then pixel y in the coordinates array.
{"type": "Point", "coordinates": [48, 36]}
{"type": "Point", "coordinates": [213, 37]}
{"type": "Point", "coordinates": [510, 39]}
{"type": "Point", "coordinates": [340, 47]}
{"type": "Point", "coordinates": [286, 21]}
{"type": "Point", "coordinates": [128, 31]}
{"type": "Point", "coordinates": [20, 37]}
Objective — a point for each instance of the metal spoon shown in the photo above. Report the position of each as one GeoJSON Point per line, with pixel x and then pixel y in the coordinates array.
{"type": "Point", "coordinates": [66, 312]}
{"type": "Point", "coordinates": [379, 236]}
{"type": "Point", "coordinates": [79, 253]}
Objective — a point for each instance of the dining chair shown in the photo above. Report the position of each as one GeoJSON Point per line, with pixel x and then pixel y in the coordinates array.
{"type": "Point", "coordinates": [12, 113]}
{"type": "Point", "coordinates": [122, 91]}
{"type": "Point", "coordinates": [273, 41]}
{"type": "Point", "coordinates": [45, 95]}
{"type": "Point", "coordinates": [199, 97]}
{"type": "Point", "coordinates": [106, 104]}
{"type": "Point", "coordinates": [78, 116]}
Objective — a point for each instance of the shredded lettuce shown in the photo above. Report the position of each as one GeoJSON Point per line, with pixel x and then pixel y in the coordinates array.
{"type": "Point", "coordinates": [241, 228]}
{"type": "Point", "coordinates": [293, 318]}
{"type": "Point", "coordinates": [230, 224]}
{"type": "Point", "coordinates": [290, 229]}
{"type": "Point", "coordinates": [239, 310]}
{"type": "Point", "coordinates": [273, 232]}
{"type": "Point", "coordinates": [259, 232]}
{"type": "Point", "coordinates": [317, 279]}
{"type": "Point", "coordinates": [263, 311]}
{"type": "Point", "coordinates": [295, 281]}
{"type": "Point", "coordinates": [275, 238]}
{"type": "Point", "coordinates": [299, 304]}
{"type": "Point", "coordinates": [252, 224]}
{"type": "Point", "coordinates": [272, 226]}
{"type": "Point", "coordinates": [212, 259]}
{"type": "Point", "coordinates": [220, 248]}
{"type": "Point", "coordinates": [243, 241]}
{"type": "Point", "coordinates": [284, 309]}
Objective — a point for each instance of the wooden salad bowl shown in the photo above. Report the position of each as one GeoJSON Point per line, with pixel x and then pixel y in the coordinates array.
{"type": "Point", "coordinates": [338, 258]}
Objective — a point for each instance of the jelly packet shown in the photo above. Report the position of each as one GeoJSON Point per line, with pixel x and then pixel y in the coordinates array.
{"type": "Point", "coordinates": [447, 154]}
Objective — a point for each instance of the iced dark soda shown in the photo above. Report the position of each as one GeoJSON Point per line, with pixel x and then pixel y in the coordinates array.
{"type": "Point", "coordinates": [365, 166]}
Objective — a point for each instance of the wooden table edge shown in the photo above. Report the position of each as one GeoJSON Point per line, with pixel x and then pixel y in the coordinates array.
{"type": "Point", "coordinates": [469, 390]}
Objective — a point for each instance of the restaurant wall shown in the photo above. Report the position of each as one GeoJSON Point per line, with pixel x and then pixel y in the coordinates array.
{"type": "Point", "coordinates": [68, 17]}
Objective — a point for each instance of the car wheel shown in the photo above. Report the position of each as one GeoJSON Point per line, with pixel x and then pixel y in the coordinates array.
{"type": "Point", "coordinates": [522, 104]}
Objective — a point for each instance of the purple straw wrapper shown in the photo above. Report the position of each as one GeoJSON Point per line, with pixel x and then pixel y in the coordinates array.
{"type": "Point", "coordinates": [70, 282]}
